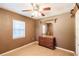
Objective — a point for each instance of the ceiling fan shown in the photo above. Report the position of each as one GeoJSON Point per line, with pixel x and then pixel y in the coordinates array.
{"type": "Point", "coordinates": [36, 10]}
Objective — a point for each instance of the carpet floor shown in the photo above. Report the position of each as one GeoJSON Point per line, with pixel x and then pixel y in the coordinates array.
{"type": "Point", "coordinates": [36, 50]}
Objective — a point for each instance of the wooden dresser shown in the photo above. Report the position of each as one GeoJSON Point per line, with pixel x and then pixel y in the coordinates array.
{"type": "Point", "coordinates": [47, 41]}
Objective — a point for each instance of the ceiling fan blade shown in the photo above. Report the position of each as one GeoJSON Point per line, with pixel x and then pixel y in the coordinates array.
{"type": "Point", "coordinates": [42, 14]}
{"type": "Point", "coordinates": [32, 5]}
{"type": "Point", "coordinates": [26, 10]}
{"type": "Point", "coordinates": [46, 8]}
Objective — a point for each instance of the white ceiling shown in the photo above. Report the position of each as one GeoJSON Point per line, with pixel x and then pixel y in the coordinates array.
{"type": "Point", "coordinates": [56, 8]}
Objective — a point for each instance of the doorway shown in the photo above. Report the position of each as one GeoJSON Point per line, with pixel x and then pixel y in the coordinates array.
{"type": "Point", "coordinates": [77, 32]}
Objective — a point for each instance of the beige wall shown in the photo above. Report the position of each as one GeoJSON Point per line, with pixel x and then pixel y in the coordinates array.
{"type": "Point", "coordinates": [6, 40]}
{"type": "Point", "coordinates": [63, 30]}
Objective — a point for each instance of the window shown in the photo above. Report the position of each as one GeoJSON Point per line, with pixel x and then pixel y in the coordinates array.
{"type": "Point", "coordinates": [44, 28]}
{"type": "Point", "coordinates": [18, 29]}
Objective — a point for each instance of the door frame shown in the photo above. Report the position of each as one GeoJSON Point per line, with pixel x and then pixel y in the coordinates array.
{"type": "Point", "coordinates": [76, 33]}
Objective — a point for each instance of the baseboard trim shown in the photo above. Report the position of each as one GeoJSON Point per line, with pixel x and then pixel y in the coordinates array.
{"type": "Point", "coordinates": [19, 47]}
{"type": "Point", "coordinates": [66, 50]}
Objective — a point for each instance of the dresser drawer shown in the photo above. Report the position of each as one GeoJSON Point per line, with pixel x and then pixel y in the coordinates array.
{"type": "Point", "coordinates": [47, 42]}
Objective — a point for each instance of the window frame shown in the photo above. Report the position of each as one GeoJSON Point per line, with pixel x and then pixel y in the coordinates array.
{"type": "Point", "coordinates": [22, 33]}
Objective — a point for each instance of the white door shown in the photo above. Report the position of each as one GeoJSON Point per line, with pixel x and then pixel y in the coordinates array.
{"type": "Point", "coordinates": [77, 32]}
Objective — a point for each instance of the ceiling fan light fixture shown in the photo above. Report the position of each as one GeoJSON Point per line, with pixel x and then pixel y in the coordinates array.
{"type": "Point", "coordinates": [35, 13]}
